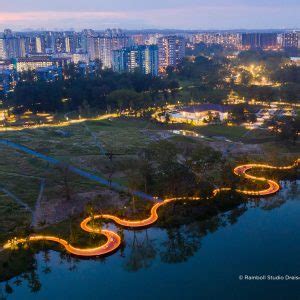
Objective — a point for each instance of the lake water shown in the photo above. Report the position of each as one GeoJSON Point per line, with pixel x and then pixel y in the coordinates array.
{"type": "Point", "coordinates": [202, 260]}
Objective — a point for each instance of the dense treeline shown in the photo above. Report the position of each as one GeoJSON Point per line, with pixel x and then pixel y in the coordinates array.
{"type": "Point", "coordinates": [205, 77]}
{"type": "Point", "coordinates": [169, 169]}
{"type": "Point", "coordinates": [277, 68]}
{"type": "Point", "coordinates": [202, 49]}
{"type": "Point", "coordinates": [286, 92]}
{"type": "Point", "coordinates": [103, 90]}
{"type": "Point", "coordinates": [202, 78]}
{"type": "Point", "coordinates": [203, 70]}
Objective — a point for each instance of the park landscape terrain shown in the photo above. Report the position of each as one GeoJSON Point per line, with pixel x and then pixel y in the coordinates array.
{"type": "Point", "coordinates": [77, 149]}
{"type": "Point", "coordinates": [141, 154]}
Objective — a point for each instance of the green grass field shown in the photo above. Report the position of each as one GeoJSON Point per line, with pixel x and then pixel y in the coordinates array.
{"type": "Point", "coordinates": [229, 132]}
{"type": "Point", "coordinates": [13, 218]}
{"type": "Point", "coordinates": [22, 174]}
{"type": "Point", "coordinates": [78, 144]}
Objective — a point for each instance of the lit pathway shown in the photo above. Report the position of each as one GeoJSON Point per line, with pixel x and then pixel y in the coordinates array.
{"type": "Point", "coordinates": [54, 161]}
{"type": "Point", "coordinates": [38, 203]}
{"type": "Point", "coordinates": [59, 124]}
{"type": "Point", "coordinates": [16, 199]}
{"type": "Point", "coordinates": [95, 138]}
{"type": "Point", "coordinates": [114, 240]}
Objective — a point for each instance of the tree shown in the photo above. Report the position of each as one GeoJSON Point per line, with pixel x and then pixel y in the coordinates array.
{"type": "Point", "coordinates": [124, 99]}
{"type": "Point", "coordinates": [238, 113]}
{"type": "Point", "coordinates": [65, 173]}
{"type": "Point", "coordinates": [287, 128]}
{"type": "Point", "coordinates": [167, 118]}
{"type": "Point", "coordinates": [179, 247]}
{"type": "Point", "coordinates": [245, 77]}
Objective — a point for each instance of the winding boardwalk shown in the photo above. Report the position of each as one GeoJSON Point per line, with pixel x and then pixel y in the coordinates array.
{"type": "Point", "coordinates": [114, 240]}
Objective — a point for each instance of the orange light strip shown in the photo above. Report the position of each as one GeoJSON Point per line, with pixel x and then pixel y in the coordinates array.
{"type": "Point", "coordinates": [114, 240]}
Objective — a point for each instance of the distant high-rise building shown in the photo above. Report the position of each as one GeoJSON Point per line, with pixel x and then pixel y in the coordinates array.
{"type": "Point", "coordinates": [21, 47]}
{"type": "Point", "coordinates": [14, 47]}
{"type": "Point", "coordinates": [127, 59]}
{"type": "Point", "coordinates": [59, 44]}
{"type": "Point", "coordinates": [8, 33]}
{"type": "Point", "coordinates": [102, 46]}
{"type": "Point", "coordinates": [70, 42]}
{"type": "Point", "coordinates": [139, 39]}
{"type": "Point", "coordinates": [259, 40]}
{"type": "Point", "coordinates": [171, 51]}
{"type": "Point", "coordinates": [290, 40]}
{"type": "Point", "coordinates": [222, 38]}
{"type": "Point", "coordinates": [32, 63]}
{"type": "Point", "coordinates": [119, 60]}
{"type": "Point", "coordinates": [90, 46]}
{"type": "Point", "coordinates": [81, 43]}
{"type": "Point", "coordinates": [141, 58]}
{"type": "Point", "coordinates": [67, 45]}
{"type": "Point", "coordinates": [49, 42]}
{"type": "Point", "coordinates": [150, 61]}
{"type": "Point", "coordinates": [153, 39]}
{"type": "Point", "coordinates": [10, 44]}
{"type": "Point", "coordinates": [2, 48]}
{"type": "Point", "coordinates": [38, 45]}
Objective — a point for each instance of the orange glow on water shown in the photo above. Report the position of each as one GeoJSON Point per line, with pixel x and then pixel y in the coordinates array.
{"type": "Point", "coordinates": [114, 240]}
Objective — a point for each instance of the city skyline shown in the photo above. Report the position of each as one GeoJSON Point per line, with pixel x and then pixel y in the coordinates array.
{"type": "Point", "coordinates": [216, 14]}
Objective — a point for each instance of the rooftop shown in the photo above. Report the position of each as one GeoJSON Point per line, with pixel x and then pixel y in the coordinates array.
{"type": "Point", "coordinates": [206, 107]}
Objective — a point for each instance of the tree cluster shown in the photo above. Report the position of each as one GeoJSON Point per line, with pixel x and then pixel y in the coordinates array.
{"type": "Point", "coordinates": [101, 89]}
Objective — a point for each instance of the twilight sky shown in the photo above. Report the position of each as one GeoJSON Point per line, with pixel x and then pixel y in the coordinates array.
{"type": "Point", "coordinates": [142, 14]}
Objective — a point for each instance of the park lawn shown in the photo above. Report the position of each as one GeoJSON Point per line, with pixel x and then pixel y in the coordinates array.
{"type": "Point", "coordinates": [118, 135]}
{"type": "Point", "coordinates": [234, 133]}
{"type": "Point", "coordinates": [14, 220]}
{"type": "Point", "coordinates": [121, 136]}
{"type": "Point", "coordinates": [124, 137]}
{"type": "Point", "coordinates": [284, 152]}
{"type": "Point", "coordinates": [27, 189]}
{"type": "Point", "coordinates": [21, 173]}
{"type": "Point", "coordinates": [258, 136]}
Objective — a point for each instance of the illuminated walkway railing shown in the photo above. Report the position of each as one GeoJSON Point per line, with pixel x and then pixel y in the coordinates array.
{"type": "Point", "coordinates": [114, 240]}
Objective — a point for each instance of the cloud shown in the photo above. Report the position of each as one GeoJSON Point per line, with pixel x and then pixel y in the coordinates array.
{"type": "Point", "coordinates": [55, 19]}
{"type": "Point", "coordinates": [56, 15]}
{"type": "Point", "coordinates": [187, 17]}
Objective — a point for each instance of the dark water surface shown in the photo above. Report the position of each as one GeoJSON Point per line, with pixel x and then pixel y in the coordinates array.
{"type": "Point", "coordinates": [202, 260]}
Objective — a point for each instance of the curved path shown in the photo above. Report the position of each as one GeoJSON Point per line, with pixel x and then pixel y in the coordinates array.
{"type": "Point", "coordinates": [114, 240]}
{"type": "Point", "coordinates": [80, 172]}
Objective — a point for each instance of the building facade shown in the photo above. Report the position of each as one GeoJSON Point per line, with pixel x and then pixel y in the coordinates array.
{"type": "Point", "coordinates": [290, 40]}
{"type": "Point", "coordinates": [141, 58]}
{"type": "Point", "coordinates": [226, 39]}
{"type": "Point", "coordinates": [200, 114]}
{"type": "Point", "coordinates": [171, 51]}
{"type": "Point", "coordinates": [102, 46]}
{"type": "Point", "coordinates": [32, 63]}
{"type": "Point", "coordinates": [259, 40]}
{"type": "Point", "coordinates": [2, 48]}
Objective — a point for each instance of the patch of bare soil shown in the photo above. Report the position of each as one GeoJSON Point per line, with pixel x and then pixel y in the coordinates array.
{"type": "Point", "coordinates": [235, 148]}
{"type": "Point", "coordinates": [52, 211]}
{"type": "Point", "coordinates": [157, 135]}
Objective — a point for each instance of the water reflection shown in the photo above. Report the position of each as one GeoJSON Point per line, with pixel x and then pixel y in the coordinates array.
{"type": "Point", "coordinates": [24, 270]}
{"type": "Point", "coordinates": [141, 252]}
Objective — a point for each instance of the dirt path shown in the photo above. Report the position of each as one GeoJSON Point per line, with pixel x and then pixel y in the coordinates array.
{"type": "Point", "coordinates": [38, 203]}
